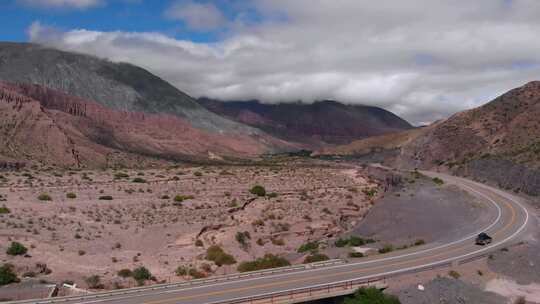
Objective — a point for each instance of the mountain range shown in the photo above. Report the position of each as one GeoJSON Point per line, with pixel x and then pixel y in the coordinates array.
{"type": "Point", "coordinates": [316, 124]}
{"type": "Point", "coordinates": [130, 113]}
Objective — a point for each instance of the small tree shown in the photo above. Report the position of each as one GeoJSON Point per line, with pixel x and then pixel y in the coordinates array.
{"type": "Point", "coordinates": [258, 190]}
{"type": "Point", "coordinates": [7, 276]}
{"type": "Point", "coordinates": [16, 248]}
{"type": "Point", "coordinates": [141, 274]}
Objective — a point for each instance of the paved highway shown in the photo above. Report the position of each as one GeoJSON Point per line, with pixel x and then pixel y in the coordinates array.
{"type": "Point", "coordinates": [509, 219]}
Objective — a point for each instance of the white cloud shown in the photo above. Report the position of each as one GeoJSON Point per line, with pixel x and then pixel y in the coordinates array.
{"type": "Point", "coordinates": [423, 59]}
{"type": "Point", "coordinates": [197, 16]}
{"type": "Point", "coordinates": [77, 4]}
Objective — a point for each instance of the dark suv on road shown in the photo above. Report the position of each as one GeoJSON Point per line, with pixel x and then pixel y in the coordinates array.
{"type": "Point", "coordinates": [483, 239]}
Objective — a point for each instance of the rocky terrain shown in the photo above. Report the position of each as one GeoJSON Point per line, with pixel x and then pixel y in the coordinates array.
{"type": "Point", "coordinates": [317, 124]}
{"type": "Point", "coordinates": [168, 218]}
{"type": "Point", "coordinates": [49, 127]}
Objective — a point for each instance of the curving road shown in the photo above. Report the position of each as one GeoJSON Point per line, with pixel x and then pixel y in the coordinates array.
{"type": "Point", "coordinates": [509, 219]}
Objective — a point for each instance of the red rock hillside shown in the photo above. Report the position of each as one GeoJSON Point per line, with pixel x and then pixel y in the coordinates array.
{"type": "Point", "coordinates": [43, 125]}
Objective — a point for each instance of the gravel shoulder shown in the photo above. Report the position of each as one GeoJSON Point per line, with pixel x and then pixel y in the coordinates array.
{"type": "Point", "coordinates": [421, 209]}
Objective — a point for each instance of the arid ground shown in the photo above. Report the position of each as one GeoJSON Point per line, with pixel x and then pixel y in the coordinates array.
{"type": "Point", "coordinates": [165, 218]}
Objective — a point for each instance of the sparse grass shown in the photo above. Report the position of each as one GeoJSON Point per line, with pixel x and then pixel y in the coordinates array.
{"type": "Point", "coordinates": [267, 262]}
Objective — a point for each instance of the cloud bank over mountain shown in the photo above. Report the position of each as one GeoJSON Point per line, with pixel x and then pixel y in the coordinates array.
{"type": "Point", "coordinates": [421, 59]}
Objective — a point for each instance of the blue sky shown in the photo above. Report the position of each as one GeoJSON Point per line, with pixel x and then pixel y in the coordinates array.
{"type": "Point", "coordinates": [113, 15]}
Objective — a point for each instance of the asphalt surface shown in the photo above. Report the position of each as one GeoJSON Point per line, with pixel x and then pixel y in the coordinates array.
{"type": "Point", "coordinates": [509, 219]}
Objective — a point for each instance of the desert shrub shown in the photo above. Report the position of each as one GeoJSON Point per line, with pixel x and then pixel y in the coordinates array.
{"type": "Point", "coordinates": [165, 197]}
{"type": "Point", "coordinates": [199, 243]}
{"type": "Point", "coordinates": [355, 254]}
{"type": "Point", "coordinates": [278, 242]}
{"type": "Point", "coordinates": [419, 242]}
{"type": "Point", "coordinates": [193, 272]}
{"type": "Point", "coordinates": [356, 241]}
{"type": "Point", "coordinates": [217, 255]}
{"type": "Point", "coordinates": [386, 249]}
{"type": "Point", "coordinates": [317, 257]}
{"type": "Point", "coordinates": [272, 195]}
{"type": "Point", "coordinates": [181, 198]}
{"type": "Point", "coordinates": [141, 274]}
{"type": "Point", "coordinates": [198, 173]}
{"type": "Point", "coordinates": [82, 252]}
{"type": "Point", "coordinates": [138, 180]}
{"type": "Point", "coordinates": [266, 262]}
{"type": "Point", "coordinates": [121, 175]}
{"type": "Point", "coordinates": [181, 271]}
{"type": "Point", "coordinates": [125, 273]}
{"type": "Point", "coordinates": [4, 210]}
{"type": "Point", "coordinates": [370, 192]}
{"type": "Point", "coordinates": [94, 282]}
{"type": "Point", "coordinates": [454, 274]}
{"type": "Point", "coordinates": [71, 195]}
{"type": "Point", "coordinates": [16, 248]}
{"type": "Point", "coordinates": [7, 275]}
{"type": "Point", "coordinates": [44, 197]}
{"type": "Point", "coordinates": [243, 238]}
{"type": "Point", "coordinates": [105, 198]}
{"type": "Point", "coordinates": [438, 181]}
{"type": "Point", "coordinates": [309, 246]}
{"type": "Point", "coordinates": [341, 243]}
{"type": "Point", "coordinates": [371, 295]}
{"type": "Point", "coordinates": [258, 190]}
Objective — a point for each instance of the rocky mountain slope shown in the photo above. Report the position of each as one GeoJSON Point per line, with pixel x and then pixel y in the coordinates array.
{"type": "Point", "coordinates": [118, 86]}
{"type": "Point", "coordinates": [49, 127]}
{"type": "Point", "coordinates": [498, 142]}
{"type": "Point", "coordinates": [317, 124]}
